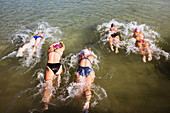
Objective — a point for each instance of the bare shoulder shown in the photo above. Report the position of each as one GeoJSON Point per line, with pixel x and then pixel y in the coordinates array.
{"type": "Point", "coordinates": [91, 56]}
{"type": "Point", "coordinates": [141, 33]}
{"type": "Point", "coordinates": [52, 45]}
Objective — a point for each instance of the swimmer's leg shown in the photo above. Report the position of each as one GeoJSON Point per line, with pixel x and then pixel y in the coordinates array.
{"type": "Point", "coordinates": [37, 42]}
{"type": "Point", "coordinates": [48, 87]}
{"type": "Point", "coordinates": [47, 93]}
{"type": "Point", "coordinates": [149, 52]}
{"type": "Point", "coordinates": [89, 81]}
{"type": "Point", "coordinates": [27, 45]}
{"type": "Point", "coordinates": [141, 50]}
{"type": "Point", "coordinates": [111, 43]}
{"type": "Point", "coordinates": [58, 74]}
{"type": "Point", "coordinates": [117, 44]}
{"type": "Point", "coordinates": [80, 86]}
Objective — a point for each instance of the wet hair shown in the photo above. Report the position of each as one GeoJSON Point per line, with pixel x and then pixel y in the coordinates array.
{"type": "Point", "coordinates": [112, 25]}
{"type": "Point", "coordinates": [87, 48]}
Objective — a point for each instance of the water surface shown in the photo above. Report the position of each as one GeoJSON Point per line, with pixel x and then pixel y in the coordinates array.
{"type": "Point", "coordinates": [123, 82]}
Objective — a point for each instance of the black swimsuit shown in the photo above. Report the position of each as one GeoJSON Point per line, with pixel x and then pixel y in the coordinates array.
{"type": "Point", "coordinates": [54, 66]}
{"type": "Point", "coordinates": [114, 35]}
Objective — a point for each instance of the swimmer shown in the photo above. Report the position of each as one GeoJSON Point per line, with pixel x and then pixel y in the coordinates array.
{"type": "Point", "coordinates": [85, 75]}
{"type": "Point", "coordinates": [34, 41]}
{"type": "Point", "coordinates": [114, 38]}
{"type": "Point", "coordinates": [113, 28]}
{"type": "Point", "coordinates": [53, 69]}
{"type": "Point", "coordinates": [142, 45]}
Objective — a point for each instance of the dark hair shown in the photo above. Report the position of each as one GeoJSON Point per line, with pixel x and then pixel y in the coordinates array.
{"type": "Point", "coordinates": [87, 48]}
{"type": "Point", "coordinates": [112, 25]}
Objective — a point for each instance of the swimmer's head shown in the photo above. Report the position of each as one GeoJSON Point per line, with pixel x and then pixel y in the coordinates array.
{"type": "Point", "coordinates": [137, 30]}
{"type": "Point", "coordinates": [112, 25]}
{"type": "Point", "coordinates": [40, 34]}
{"type": "Point", "coordinates": [87, 48]}
{"type": "Point", "coordinates": [58, 45]}
{"type": "Point", "coordinates": [86, 51]}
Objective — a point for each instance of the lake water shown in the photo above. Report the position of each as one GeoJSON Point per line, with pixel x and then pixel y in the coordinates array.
{"type": "Point", "coordinates": [123, 83]}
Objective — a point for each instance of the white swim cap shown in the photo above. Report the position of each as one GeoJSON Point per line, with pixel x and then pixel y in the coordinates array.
{"type": "Point", "coordinates": [85, 51]}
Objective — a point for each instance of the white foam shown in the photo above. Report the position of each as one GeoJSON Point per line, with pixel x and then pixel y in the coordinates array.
{"type": "Point", "coordinates": [12, 54]}
{"type": "Point", "coordinates": [127, 42]}
{"type": "Point", "coordinates": [26, 34]}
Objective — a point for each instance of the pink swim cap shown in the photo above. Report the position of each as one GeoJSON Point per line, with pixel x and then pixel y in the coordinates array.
{"type": "Point", "coordinates": [56, 46]}
{"type": "Point", "coordinates": [137, 30]}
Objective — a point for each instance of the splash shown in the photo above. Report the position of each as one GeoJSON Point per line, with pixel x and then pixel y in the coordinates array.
{"type": "Point", "coordinates": [12, 54]}
{"type": "Point", "coordinates": [127, 42]}
{"type": "Point", "coordinates": [74, 89]}
{"type": "Point", "coordinates": [98, 93]}
{"type": "Point", "coordinates": [52, 34]}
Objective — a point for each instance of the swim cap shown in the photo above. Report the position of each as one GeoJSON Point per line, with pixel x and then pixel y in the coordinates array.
{"type": "Point", "coordinates": [57, 46]}
{"type": "Point", "coordinates": [137, 30]}
{"type": "Point", "coordinates": [85, 52]}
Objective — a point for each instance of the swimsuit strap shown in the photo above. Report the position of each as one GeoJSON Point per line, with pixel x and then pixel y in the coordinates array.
{"type": "Point", "coordinates": [86, 58]}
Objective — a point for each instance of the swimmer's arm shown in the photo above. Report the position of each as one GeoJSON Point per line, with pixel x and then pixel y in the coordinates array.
{"type": "Point", "coordinates": [142, 34]}
{"type": "Point", "coordinates": [79, 57]}
{"type": "Point", "coordinates": [51, 47]}
{"type": "Point", "coordinates": [91, 57]}
{"type": "Point", "coordinates": [116, 29]}
{"type": "Point", "coordinates": [63, 46]}
{"type": "Point", "coordinates": [133, 34]}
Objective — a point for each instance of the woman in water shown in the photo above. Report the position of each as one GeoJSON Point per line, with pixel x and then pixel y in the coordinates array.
{"type": "Point", "coordinates": [114, 38]}
{"type": "Point", "coordinates": [53, 69]}
{"type": "Point", "coordinates": [142, 44]}
{"type": "Point", "coordinates": [85, 75]}
{"type": "Point", "coordinates": [34, 41]}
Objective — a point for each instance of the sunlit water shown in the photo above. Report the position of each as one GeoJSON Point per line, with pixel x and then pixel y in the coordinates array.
{"type": "Point", "coordinates": [123, 83]}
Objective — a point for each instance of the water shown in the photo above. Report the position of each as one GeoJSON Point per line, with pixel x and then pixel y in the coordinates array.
{"type": "Point", "coordinates": [123, 82]}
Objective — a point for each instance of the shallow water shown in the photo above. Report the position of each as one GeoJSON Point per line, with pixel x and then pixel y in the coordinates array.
{"type": "Point", "coordinates": [123, 82]}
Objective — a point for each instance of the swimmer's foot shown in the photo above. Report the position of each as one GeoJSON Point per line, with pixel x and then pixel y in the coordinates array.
{"type": "Point", "coordinates": [144, 59]}
{"type": "Point", "coordinates": [112, 48]}
{"type": "Point", "coordinates": [117, 51]}
{"type": "Point", "coordinates": [31, 54]}
{"type": "Point", "coordinates": [86, 107]}
{"type": "Point", "coordinates": [46, 106]}
{"type": "Point", "coordinates": [19, 55]}
{"type": "Point", "coordinates": [86, 111]}
{"type": "Point", "coordinates": [20, 50]}
{"type": "Point", "coordinates": [149, 57]}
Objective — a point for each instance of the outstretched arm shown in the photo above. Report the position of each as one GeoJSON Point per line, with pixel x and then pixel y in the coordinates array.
{"type": "Point", "coordinates": [63, 46]}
